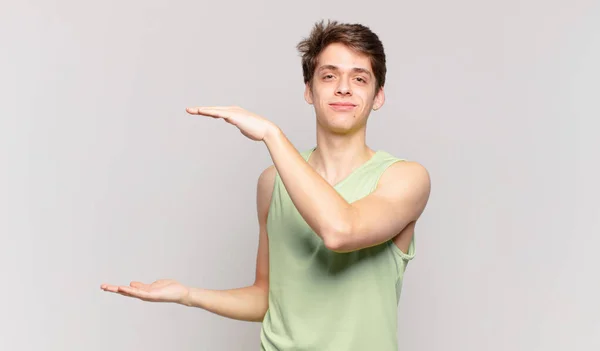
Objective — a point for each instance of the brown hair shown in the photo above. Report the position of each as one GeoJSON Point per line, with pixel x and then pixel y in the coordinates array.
{"type": "Point", "coordinates": [355, 36]}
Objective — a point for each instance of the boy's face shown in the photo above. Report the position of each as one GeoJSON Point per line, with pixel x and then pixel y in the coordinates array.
{"type": "Point", "coordinates": [343, 89]}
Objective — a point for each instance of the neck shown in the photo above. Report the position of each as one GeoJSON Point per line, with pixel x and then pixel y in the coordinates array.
{"type": "Point", "coordinates": [336, 156]}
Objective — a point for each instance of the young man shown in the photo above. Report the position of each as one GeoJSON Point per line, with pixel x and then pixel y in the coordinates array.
{"type": "Point", "coordinates": [336, 221]}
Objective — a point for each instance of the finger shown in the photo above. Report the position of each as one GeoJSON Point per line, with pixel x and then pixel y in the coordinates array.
{"type": "Point", "coordinates": [192, 110]}
{"type": "Point", "coordinates": [115, 289]}
{"type": "Point", "coordinates": [198, 111]}
{"type": "Point", "coordinates": [111, 288]}
{"type": "Point", "coordinates": [124, 294]}
{"type": "Point", "coordinates": [139, 285]}
{"type": "Point", "coordinates": [196, 108]}
{"type": "Point", "coordinates": [212, 111]}
{"type": "Point", "coordinates": [215, 111]}
{"type": "Point", "coordinates": [134, 292]}
{"type": "Point", "coordinates": [129, 295]}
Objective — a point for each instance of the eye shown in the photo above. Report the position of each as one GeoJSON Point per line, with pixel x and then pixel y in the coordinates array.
{"type": "Point", "coordinates": [360, 79]}
{"type": "Point", "coordinates": [328, 76]}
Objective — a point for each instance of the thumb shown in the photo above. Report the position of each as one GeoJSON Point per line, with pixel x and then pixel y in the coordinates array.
{"type": "Point", "coordinates": [139, 285]}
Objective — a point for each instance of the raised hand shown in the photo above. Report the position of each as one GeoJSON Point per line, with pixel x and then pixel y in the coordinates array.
{"type": "Point", "coordinates": [251, 125]}
{"type": "Point", "coordinates": [163, 290]}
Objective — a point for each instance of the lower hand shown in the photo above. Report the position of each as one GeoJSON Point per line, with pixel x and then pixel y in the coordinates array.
{"type": "Point", "coordinates": [251, 125]}
{"type": "Point", "coordinates": [164, 290]}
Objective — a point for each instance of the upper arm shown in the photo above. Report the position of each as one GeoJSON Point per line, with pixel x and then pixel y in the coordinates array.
{"type": "Point", "coordinates": [399, 199]}
{"type": "Point", "coordinates": [264, 192]}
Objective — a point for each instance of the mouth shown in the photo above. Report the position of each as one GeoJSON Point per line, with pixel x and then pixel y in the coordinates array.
{"type": "Point", "coordinates": [342, 106]}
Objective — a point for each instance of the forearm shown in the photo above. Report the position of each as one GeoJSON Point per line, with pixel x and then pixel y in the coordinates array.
{"type": "Point", "coordinates": [247, 304]}
{"type": "Point", "coordinates": [325, 211]}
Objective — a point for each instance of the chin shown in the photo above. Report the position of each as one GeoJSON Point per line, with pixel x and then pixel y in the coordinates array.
{"type": "Point", "coordinates": [340, 122]}
{"type": "Point", "coordinates": [341, 126]}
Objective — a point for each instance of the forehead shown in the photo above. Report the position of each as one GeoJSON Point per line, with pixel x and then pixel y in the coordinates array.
{"type": "Point", "coordinates": [341, 56]}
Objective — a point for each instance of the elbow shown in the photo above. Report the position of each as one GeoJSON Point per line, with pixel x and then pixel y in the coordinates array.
{"type": "Point", "coordinates": [338, 233]}
{"type": "Point", "coordinates": [262, 302]}
{"type": "Point", "coordinates": [337, 238]}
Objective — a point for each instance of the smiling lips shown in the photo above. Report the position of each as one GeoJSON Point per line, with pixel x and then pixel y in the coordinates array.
{"type": "Point", "coordinates": [342, 106]}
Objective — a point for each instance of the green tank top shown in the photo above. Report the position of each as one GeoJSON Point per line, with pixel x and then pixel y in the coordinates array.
{"type": "Point", "coordinates": [320, 300]}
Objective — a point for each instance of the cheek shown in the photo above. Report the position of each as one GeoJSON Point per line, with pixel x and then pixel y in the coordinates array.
{"type": "Point", "coordinates": [322, 103]}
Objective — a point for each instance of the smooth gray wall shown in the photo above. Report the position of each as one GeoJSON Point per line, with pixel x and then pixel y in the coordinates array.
{"type": "Point", "coordinates": [105, 178]}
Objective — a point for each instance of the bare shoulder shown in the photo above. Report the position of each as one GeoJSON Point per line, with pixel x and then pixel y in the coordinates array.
{"type": "Point", "coordinates": [405, 185]}
{"type": "Point", "coordinates": [264, 192]}
{"type": "Point", "coordinates": [403, 175]}
{"type": "Point", "coordinates": [266, 181]}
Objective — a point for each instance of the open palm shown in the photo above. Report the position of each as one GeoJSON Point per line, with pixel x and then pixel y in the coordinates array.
{"type": "Point", "coordinates": [163, 290]}
{"type": "Point", "coordinates": [250, 124]}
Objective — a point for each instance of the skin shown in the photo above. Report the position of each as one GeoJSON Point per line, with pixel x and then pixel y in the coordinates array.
{"type": "Point", "coordinates": [390, 212]}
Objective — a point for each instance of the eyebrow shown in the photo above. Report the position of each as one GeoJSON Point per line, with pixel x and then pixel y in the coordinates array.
{"type": "Point", "coordinates": [335, 68]}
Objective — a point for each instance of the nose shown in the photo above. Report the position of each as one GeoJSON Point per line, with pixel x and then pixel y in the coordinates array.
{"type": "Point", "coordinates": [343, 88]}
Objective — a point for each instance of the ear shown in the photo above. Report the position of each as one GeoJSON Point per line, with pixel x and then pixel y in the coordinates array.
{"type": "Point", "coordinates": [308, 94]}
{"type": "Point", "coordinates": [379, 99]}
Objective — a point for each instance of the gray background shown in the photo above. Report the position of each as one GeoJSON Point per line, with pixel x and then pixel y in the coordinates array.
{"type": "Point", "coordinates": [105, 178]}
